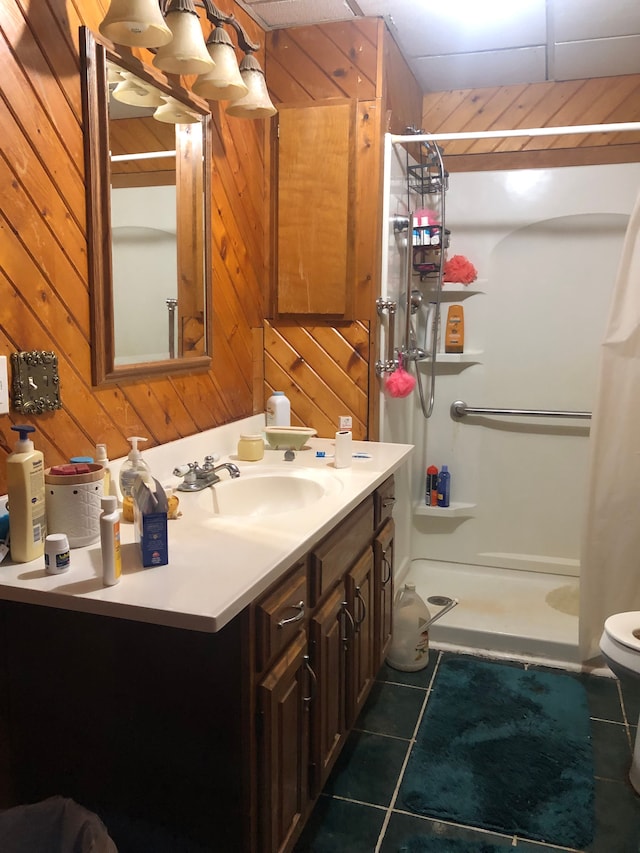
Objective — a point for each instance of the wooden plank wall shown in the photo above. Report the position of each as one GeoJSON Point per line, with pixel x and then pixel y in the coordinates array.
{"type": "Point", "coordinates": [575, 102]}
{"type": "Point", "coordinates": [327, 369]}
{"type": "Point", "coordinates": [44, 297]}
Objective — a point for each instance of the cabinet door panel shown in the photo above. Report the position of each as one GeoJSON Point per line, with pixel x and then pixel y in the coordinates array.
{"type": "Point", "coordinates": [316, 186]}
{"type": "Point", "coordinates": [383, 557]}
{"type": "Point", "coordinates": [328, 650]}
{"type": "Point", "coordinates": [361, 669]}
{"type": "Point", "coordinates": [283, 747]}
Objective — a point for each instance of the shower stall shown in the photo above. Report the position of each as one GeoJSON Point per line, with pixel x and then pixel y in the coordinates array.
{"type": "Point", "coordinates": [510, 415]}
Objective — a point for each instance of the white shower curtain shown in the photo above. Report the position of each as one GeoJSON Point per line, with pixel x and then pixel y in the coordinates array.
{"type": "Point", "coordinates": [610, 554]}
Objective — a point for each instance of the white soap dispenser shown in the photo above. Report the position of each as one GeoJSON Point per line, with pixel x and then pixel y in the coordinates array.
{"type": "Point", "coordinates": [134, 466]}
{"type": "Point", "coordinates": [25, 487]}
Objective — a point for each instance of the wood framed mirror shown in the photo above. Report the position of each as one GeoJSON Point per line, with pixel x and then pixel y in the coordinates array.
{"type": "Point", "coordinates": [148, 187]}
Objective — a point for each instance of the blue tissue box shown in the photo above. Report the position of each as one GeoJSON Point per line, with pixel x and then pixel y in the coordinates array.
{"type": "Point", "coordinates": [150, 520]}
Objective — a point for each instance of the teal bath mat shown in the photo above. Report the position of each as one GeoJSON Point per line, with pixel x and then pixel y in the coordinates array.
{"type": "Point", "coordinates": [506, 749]}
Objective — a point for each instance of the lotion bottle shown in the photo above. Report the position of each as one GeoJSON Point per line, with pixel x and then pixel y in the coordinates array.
{"type": "Point", "coordinates": [25, 491]}
{"type": "Point", "coordinates": [110, 540]}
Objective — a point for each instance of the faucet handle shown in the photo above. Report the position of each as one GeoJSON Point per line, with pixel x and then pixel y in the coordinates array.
{"type": "Point", "coordinates": [209, 462]}
{"type": "Point", "coordinates": [187, 471]}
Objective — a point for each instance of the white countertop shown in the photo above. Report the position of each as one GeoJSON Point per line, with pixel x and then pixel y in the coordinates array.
{"type": "Point", "coordinates": [217, 565]}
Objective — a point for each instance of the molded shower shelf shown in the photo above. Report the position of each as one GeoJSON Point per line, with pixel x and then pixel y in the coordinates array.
{"type": "Point", "coordinates": [455, 358]}
{"type": "Point", "coordinates": [457, 509]}
{"type": "Point", "coordinates": [451, 290]}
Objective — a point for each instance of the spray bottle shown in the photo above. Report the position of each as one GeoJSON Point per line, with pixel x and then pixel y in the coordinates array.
{"type": "Point", "coordinates": [25, 490]}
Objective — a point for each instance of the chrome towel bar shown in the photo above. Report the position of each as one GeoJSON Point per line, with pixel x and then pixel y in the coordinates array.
{"type": "Point", "coordinates": [459, 409]}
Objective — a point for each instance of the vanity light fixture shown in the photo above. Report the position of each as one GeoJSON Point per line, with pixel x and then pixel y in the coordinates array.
{"type": "Point", "coordinates": [132, 91]}
{"type": "Point", "coordinates": [174, 111]}
{"type": "Point", "coordinates": [146, 23]}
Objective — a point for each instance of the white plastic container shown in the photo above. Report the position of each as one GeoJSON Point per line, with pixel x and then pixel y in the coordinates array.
{"type": "Point", "coordinates": [103, 459]}
{"type": "Point", "coordinates": [25, 491]}
{"type": "Point", "coordinates": [250, 448]}
{"type": "Point", "coordinates": [278, 410]}
{"type": "Point", "coordinates": [57, 556]}
{"type": "Point", "coordinates": [110, 541]}
{"type": "Point", "coordinates": [409, 650]}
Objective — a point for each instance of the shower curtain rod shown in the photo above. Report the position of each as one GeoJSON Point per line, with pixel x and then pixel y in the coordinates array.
{"type": "Point", "coordinates": [616, 127]}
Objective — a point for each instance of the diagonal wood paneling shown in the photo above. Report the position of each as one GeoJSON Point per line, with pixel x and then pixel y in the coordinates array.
{"type": "Point", "coordinates": [575, 102]}
{"type": "Point", "coordinates": [44, 300]}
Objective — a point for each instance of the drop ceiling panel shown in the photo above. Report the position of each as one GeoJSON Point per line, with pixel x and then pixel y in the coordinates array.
{"type": "Point", "coordinates": [429, 29]}
{"type": "Point", "coordinates": [289, 13]}
{"type": "Point", "coordinates": [476, 70]}
{"type": "Point", "coordinates": [576, 20]}
{"type": "Point", "coordinates": [600, 58]}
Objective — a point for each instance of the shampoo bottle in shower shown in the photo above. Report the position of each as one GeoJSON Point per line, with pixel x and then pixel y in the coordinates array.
{"type": "Point", "coordinates": [444, 486]}
{"type": "Point", "coordinates": [431, 491]}
{"type": "Point", "coordinates": [454, 334]}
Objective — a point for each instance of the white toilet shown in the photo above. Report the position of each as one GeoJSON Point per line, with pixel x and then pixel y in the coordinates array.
{"type": "Point", "coordinates": [620, 647]}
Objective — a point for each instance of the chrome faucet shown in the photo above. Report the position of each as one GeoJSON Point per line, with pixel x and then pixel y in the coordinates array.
{"type": "Point", "coordinates": [197, 477]}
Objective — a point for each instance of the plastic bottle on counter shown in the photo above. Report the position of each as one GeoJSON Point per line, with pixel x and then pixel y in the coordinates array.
{"type": "Point", "coordinates": [103, 459]}
{"type": "Point", "coordinates": [278, 410]}
{"type": "Point", "coordinates": [25, 492]}
{"type": "Point", "coordinates": [444, 486]}
{"type": "Point", "coordinates": [110, 540]}
{"type": "Point", "coordinates": [133, 466]}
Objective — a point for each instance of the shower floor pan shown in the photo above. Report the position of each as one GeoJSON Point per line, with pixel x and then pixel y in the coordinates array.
{"type": "Point", "coordinates": [502, 612]}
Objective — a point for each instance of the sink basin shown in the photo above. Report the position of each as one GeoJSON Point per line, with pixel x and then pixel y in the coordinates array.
{"type": "Point", "coordinates": [269, 492]}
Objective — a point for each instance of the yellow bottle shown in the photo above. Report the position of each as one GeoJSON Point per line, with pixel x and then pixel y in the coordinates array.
{"type": "Point", "coordinates": [454, 334]}
{"type": "Point", "coordinates": [25, 492]}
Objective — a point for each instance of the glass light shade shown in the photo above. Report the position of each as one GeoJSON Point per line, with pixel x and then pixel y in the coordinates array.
{"type": "Point", "coordinates": [222, 83]}
{"type": "Point", "coordinates": [138, 23]}
{"type": "Point", "coordinates": [174, 111]}
{"type": "Point", "coordinates": [132, 91]}
{"type": "Point", "coordinates": [256, 103]}
{"type": "Point", "coordinates": [186, 53]}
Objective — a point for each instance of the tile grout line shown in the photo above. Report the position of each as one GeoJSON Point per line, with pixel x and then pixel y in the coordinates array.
{"type": "Point", "coordinates": [412, 740]}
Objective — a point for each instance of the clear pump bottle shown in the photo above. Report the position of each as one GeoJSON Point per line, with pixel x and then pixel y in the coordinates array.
{"type": "Point", "coordinates": [133, 466]}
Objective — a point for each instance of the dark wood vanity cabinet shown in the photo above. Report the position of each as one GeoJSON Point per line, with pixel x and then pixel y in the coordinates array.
{"type": "Point", "coordinates": [222, 739]}
{"type": "Point", "coordinates": [347, 632]}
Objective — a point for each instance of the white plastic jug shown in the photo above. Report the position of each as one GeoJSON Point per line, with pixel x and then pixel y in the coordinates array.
{"type": "Point", "coordinates": [409, 650]}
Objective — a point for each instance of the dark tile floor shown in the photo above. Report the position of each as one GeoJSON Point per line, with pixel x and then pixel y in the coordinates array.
{"type": "Point", "coordinates": [356, 812]}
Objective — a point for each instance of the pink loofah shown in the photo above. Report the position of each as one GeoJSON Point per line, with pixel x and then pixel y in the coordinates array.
{"type": "Point", "coordinates": [399, 383]}
{"type": "Point", "coordinates": [460, 270]}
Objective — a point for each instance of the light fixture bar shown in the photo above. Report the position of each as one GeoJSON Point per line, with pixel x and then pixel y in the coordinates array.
{"type": "Point", "coordinates": [217, 17]}
{"type": "Point", "coordinates": [616, 127]}
{"type": "Point", "coordinates": [143, 155]}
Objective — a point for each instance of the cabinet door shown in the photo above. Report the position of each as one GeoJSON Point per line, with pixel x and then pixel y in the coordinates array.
{"type": "Point", "coordinates": [361, 669]}
{"type": "Point", "coordinates": [328, 635]}
{"type": "Point", "coordinates": [383, 579]}
{"type": "Point", "coordinates": [283, 744]}
{"type": "Point", "coordinates": [315, 212]}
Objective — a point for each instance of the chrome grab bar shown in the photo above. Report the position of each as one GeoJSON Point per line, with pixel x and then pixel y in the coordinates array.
{"type": "Point", "coordinates": [459, 409]}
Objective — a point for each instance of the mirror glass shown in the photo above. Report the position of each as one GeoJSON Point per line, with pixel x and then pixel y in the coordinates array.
{"type": "Point", "coordinates": [147, 147]}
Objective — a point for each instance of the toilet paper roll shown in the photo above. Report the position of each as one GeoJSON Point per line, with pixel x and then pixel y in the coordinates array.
{"type": "Point", "coordinates": [343, 449]}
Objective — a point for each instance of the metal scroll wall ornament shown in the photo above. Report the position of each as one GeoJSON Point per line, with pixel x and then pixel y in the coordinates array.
{"type": "Point", "coordinates": [35, 382]}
